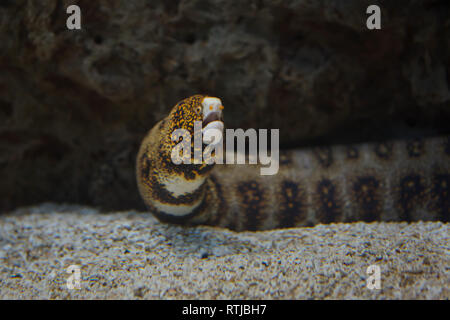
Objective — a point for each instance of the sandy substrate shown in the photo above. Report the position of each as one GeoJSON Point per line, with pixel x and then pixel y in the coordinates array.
{"type": "Point", "coordinates": [129, 255]}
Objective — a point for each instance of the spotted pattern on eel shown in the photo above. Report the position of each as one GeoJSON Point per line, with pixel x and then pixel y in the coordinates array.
{"type": "Point", "coordinates": [399, 180]}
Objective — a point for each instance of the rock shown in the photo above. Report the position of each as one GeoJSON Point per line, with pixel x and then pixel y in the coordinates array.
{"type": "Point", "coordinates": [74, 105]}
{"type": "Point", "coordinates": [150, 260]}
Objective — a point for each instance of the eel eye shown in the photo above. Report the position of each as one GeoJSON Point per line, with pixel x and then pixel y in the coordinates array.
{"type": "Point", "coordinates": [198, 109]}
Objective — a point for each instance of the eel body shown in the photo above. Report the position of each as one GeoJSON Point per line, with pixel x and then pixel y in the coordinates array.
{"type": "Point", "coordinates": [396, 180]}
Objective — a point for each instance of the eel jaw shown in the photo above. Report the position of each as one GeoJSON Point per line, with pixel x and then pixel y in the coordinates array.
{"type": "Point", "coordinates": [212, 120]}
{"type": "Point", "coordinates": [212, 117]}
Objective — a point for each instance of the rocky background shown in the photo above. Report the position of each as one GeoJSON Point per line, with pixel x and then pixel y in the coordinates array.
{"type": "Point", "coordinates": [74, 105]}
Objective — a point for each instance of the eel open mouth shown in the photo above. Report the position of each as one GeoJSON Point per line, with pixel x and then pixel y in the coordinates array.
{"type": "Point", "coordinates": [212, 116]}
{"type": "Point", "coordinates": [211, 125]}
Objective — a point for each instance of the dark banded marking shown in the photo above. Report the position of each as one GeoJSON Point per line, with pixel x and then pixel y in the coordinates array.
{"type": "Point", "coordinates": [440, 195]}
{"type": "Point", "coordinates": [286, 159]}
{"type": "Point", "coordinates": [216, 188]}
{"type": "Point", "coordinates": [412, 194]}
{"type": "Point", "coordinates": [367, 196]}
{"type": "Point", "coordinates": [415, 148]}
{"type": "Point", "coordinates": [352, 152]}
{"type": "Point", "coordinates": [185, 219]}
{"type": "Point", "coordinates": [161, 194]}
{"type": "Point", "coordinates": [324, 156]}
{"type": "Point", "coordinates": [145, 166]}
{"type": "Point", "coordinates": [292, 204]}
{"type": "Point", "coordinates": [253, 203]}
{"type": "Point", "coordinates": [329, 207]}
{"type": "Point", "coordinates": [383, 150]}
{"type": "Point", "coordinates": [188, 171]}
{"type": "Point", "coordinates": [232, 221]}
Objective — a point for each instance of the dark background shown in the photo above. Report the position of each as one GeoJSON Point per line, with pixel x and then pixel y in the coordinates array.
{"type": "Point", "coordinates": [74, 105]}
